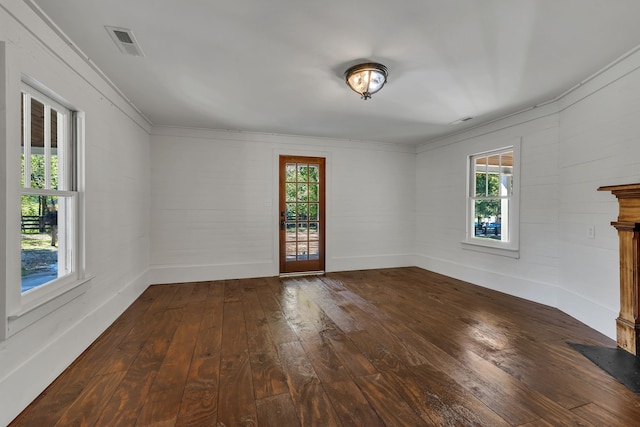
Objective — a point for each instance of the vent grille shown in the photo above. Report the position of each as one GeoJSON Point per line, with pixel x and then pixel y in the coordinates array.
{"type": "Point", "coordinates": [125, 40]}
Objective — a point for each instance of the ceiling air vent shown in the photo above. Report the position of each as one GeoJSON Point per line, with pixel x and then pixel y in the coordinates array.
{"type": "Point", "coordinates": [125, 40]}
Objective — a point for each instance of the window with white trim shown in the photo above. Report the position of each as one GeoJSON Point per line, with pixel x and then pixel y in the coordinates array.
{"type": "Point", "coordinates": [49, 196]}
{"type": "Point", "coordinates": [492, 199]}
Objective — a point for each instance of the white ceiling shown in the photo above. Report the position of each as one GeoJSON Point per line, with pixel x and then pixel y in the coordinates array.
{"type": "Point", "coordinates": [277, 66]}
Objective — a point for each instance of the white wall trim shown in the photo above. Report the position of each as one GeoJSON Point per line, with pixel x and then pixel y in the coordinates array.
{"type": "Point", "coordinates": [22, 385]}
{"type": "Point", "coordinates": [271, 138]}
{"type": "Point", "coordinates": [164, 274]}
{"type": "Point", "coordinates": [366, 262]}
{"type": "Point", "coordinates": [593, 314]}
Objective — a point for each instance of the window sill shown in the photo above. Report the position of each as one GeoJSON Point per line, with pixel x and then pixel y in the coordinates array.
{"type": "Point", "coordinates": [32, 312]}
{"type": "Point", "coordinates": [491, 249]}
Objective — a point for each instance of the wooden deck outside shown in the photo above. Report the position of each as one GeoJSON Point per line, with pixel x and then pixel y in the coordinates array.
{"type": "Point", "coordinates": [392, 347]}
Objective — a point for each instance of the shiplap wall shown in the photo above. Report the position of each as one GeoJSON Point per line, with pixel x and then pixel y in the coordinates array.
{"type": "Point", "coordinates": [570, 147]}
{"type": "Point", "coordinates": [214, 203]}
{"type": "Point", "coordinates": [117, 206]}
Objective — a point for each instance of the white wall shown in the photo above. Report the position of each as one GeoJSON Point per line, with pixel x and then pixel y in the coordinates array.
{"type": "Point", "coordinates": [214, 203]}
{"type": "Point", "coordinates": [589, 138]}
{"type": "Point", "coordinates": [117, 205]}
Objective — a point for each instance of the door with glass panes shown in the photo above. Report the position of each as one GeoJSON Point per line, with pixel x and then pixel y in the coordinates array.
{"type": "Point", "coordinates": [301, 211]}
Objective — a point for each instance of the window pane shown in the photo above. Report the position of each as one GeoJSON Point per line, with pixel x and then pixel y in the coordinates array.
{"type": "Point", "coordinates": [488, 218]}
{"type": "Point", "coordinates": [39, 242]}
{"type": "Point", "coordinates": [480, 174]}
{"type": "Point", "coordinates": [493, 184]}
{"type": "Point", "coordinates": [53, 158]}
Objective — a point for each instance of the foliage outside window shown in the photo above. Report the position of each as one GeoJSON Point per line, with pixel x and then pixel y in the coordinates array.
{"type": "Point", "coordinates": [49, 197]}
{"type": "Point", "coordinates": [491, 198]}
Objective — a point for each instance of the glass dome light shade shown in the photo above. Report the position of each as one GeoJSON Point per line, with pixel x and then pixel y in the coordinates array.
{"type": "Point", "coordinates": [366, 79]}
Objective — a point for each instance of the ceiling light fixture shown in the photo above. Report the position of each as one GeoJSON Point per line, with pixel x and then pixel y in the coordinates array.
{"type": "Point", "coordinates": [366, 79]}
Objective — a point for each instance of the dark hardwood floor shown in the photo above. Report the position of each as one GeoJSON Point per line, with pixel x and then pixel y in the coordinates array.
{"type": "Point", "coordinates": [391, 347]}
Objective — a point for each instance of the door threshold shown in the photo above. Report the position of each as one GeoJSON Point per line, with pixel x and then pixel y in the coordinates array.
{"type": "Point", "coordinates": [302, 273]}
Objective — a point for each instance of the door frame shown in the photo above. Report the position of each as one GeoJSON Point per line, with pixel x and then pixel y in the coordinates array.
{"type": "Point", "coordinates": [274, 202]}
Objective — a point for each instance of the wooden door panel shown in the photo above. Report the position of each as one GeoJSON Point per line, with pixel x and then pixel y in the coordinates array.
{"type": "Point", "coordinates": [302, 213]}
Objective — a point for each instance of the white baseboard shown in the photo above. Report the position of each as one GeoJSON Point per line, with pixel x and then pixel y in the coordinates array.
{"type": "Point", "coordinates": [162, 274]}
{"type": "Point", "coordinates": [22, 385]}
{"type": "Point", "coordinates": [351, 263]}
{"type": "Point", "coordinates": [594, 315]}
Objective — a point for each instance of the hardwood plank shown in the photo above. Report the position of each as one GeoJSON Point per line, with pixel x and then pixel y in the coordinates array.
{"type": "Point", "coordinates": [375, 351]}
{"type": "Point", "coordinates": [132, 392]}
{"type": "Point", "coordinates": [86, 408]}
{"type": "Point", "coordinates": [351, 357]}
{"type": "Point", "coordinates": [389, 405]}
{"type": "Point", "coordinates": [165, 395]}
{"type": "Point", "coordinates": [325, 363]}
{"type": "Point", "coordinates": [310, 401]}
{"type": "Point", "coordinates": [277, 411]}
{"type": "Point", "coordinates": [601, 417]}
{"type": "Point", "coordinates": [234, 331]}
{"type": "Point", "coordinates": [258, 334]}
{"type": "Point", "coordinates": [236, 405]}
{"type": "Point", "coordinates": [199, 404]}
{"type": "Point", "coordinates": [439, 400]}
{"type": "Point", "coordinates": [352, 407]}
{"type": "Point", "coordinates": [268, 376]}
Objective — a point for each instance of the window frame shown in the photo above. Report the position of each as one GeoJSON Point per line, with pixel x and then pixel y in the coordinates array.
{"type": "Point", "coordinates": [510, 248]}
{"type": "Point", "coordinates": [25, 308]}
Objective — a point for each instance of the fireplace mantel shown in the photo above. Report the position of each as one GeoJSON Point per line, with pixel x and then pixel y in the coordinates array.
{"type": "Point", "coordinates": [628, 226]}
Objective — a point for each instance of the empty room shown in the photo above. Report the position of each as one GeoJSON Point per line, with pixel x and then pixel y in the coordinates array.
{"type": "Point", "coordinates": [293, 213]}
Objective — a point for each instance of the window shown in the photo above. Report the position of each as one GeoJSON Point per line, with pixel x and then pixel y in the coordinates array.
{"type": "Point", "coordinates": [492, 219]}
{"type": "Point", "coordinates": [49, 197]}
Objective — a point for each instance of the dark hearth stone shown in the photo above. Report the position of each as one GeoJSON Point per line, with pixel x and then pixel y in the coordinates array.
{"type": "Point", "coordinates": [619, 363]}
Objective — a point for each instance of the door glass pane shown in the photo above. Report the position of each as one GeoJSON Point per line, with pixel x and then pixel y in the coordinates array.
{"type": "Point", "coordinates": [303, 212]}
{"type": "Point", "coordinates": [291, 212]}
{"type": "Point", "coordinates": [302, 251]}
{"type": "Point", "coordinates": [314, 250]}
{"type": "Point", "coordinates": [303, 173]}
{"type": "Point", "coordinates": [313, 212]}
{"type": "Point", "coordinates": [314, 173]}
{"type": "Point", "coordinates": [302, 232]}
{"type": "Point", "coordinates": [290, 250]}
{"type": "Point", "coordinates": [303, 192]}
{"type": "Point", "coordinates": [290, 172]}
{"type": "Point", "coordinates": [290, 234]}
{"type": "Point", "coordinates": [313, 192]}
{"type": "Point", "coordinates": [291, 192]}
{"type": "Point", "coordinates": [314, 231]}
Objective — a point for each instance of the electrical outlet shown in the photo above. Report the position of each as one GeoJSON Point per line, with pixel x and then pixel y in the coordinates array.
{"type": "Point", "coordinates": [591, 232]}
